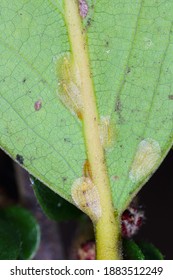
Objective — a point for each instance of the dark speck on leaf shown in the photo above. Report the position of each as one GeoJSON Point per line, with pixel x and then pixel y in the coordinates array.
{"type": "Point", "coordinates": [118, 106]}
{"type": "Point", "coordinates": [20, 159]}
{"type": "Point", "coordinates": [170, 97]}
{"type": "Point", "coordinates": [67, 140]}
{"type": "Point", "coordinates": [24, 80]}
{"type": "Point", "coordinates": [89, 22]}
{"type": "Point", "coordinates": [106, 44]}
{"type": "Point", "coordinates": [128, 70]}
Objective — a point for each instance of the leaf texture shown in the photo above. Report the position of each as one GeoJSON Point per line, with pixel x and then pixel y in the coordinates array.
{"type": "Point", "coordinates": [130, 54]}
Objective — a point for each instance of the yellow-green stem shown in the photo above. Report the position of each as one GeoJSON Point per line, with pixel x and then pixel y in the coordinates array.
{"type": "Point", "coordinates": [107, 227]}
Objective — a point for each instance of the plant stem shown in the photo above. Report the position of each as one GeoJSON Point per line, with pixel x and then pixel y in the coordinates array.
{"type": "Point", "coordinates": [107, 226]}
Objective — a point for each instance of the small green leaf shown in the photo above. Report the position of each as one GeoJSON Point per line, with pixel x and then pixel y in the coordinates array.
{"type": "Point", "coordinates": [28, 229]}
{"type": "Point", "coordinates": [10, 242]}
{"type": "Point", "coordinates": [54, 206]}
{"type": "Point", "coordinates": [131, 250]}
{"type": "Point", "coordinates": [150, 251]}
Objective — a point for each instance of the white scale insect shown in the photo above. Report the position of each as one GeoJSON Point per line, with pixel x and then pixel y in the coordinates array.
{"type": "Point", "coordinates": [147, 155]}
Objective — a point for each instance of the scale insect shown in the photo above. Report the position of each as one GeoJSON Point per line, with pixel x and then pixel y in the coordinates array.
{"type": "Point", "coordinates": [147, 155]}
{"type": "Point", "coordinates": [86, 197]}
{"type": "Point", "coordinates": [69, 82]}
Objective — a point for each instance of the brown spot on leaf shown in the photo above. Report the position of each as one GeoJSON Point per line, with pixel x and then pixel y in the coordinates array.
{"type": "Point", "coordinates": [170, 97]}
{"type": "Point", "coordinates": [114, 178]}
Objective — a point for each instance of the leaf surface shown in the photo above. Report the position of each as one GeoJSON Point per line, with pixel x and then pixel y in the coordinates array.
{"type": "Point", "coordinates": [130, 53]}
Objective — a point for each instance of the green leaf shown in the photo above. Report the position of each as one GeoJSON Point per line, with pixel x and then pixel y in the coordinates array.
{"type": "Point", "coordinates": [131, 250]}
{"type": "Point", "coordinates": [26, 227]}
{"type": "Point", "coordinates": [150, 251]}
{"type": "Point", "coordinates": [54, 206]}
{"type": "Point", "coordinates": [130, 53]}
{"type": "Point", "coordinates": [140, 250]}
{"type": "Point", "coordinates": [10, 241]}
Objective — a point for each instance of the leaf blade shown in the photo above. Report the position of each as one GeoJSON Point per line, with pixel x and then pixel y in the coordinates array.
{"type": "Point", "coordinates": [130, 61]}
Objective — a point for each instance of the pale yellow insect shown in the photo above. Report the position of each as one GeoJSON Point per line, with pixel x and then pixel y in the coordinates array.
{"type": "Point", "coordinates": [147, 155]}
{"type": "Point", "coordinates": [86, 197]}
{"type": "Point", "coordinates": [69, 84]}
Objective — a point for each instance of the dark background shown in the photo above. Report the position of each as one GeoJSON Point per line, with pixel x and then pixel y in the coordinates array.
{"type": "Point", "coordinates": [156, 198]}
